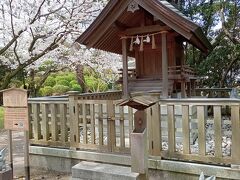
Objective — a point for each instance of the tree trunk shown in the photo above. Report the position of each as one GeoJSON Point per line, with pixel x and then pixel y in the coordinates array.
{"type": "Point", "coordinates": [31, 86]}
{"type": "Point", "coordinates": [80, 77]}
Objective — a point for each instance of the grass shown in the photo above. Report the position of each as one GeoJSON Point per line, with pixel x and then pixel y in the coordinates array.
{"type": "Point", "coordinates": [1, 117]}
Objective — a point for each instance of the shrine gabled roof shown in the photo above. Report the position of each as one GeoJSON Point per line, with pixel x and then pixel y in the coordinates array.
{"type": "Point", "coordinates": [104, 32]}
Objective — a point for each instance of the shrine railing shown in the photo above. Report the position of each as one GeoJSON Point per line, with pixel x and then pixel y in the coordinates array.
{"type": "Point", "coordinates": [217, 92]}
{"type": "Point", "coordinates": [131, 74]}
{"type": "Point", "coordinates": [184, 70]}
{"type": "Point", "coordinates": [175, 72]}
{"type": "Point", "coordinates": [201, 130]}
{"type": "Point", "coordinates": [81, 122]}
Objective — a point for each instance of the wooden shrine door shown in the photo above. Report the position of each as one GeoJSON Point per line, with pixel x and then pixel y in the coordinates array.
{"type": "Point", "coordinates": [149, 63]}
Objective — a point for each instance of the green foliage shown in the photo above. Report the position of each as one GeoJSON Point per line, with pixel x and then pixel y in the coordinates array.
{"type": "Point", "coordinates": [63, 82]}
{"type": "Point", "coordinates": [73, 82]}
{"type": "Point", "coordinates": [46, 65]}
{"type": "Point", "coordinates": [76, 87]}
{"type": "Point", "coordinates": [1, 117]}
{"type": "Point", "coordinates": [95, 84]}
{"type": "Point", "coordinates": [218, 67]}
{"type": "Point", "coordinates": [50, 81]}
{"type": "Point", "coordinates": [60, 89]}
{"type": "Point", "coordinates": [220, 21]}
{"type": "Point", "coordinates": [60, 83]}
{"type": "Point", "coordinates": [46, 91]}
{"type": "Point", "coordinates": [59, 77]}
{"type": "Point", "coordinates": [16, 83]}
{"type": "Point", "coordinates": [70, 76]}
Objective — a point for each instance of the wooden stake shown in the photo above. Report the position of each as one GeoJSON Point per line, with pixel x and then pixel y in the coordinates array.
{"type": "Point", "coordinates": [26, 156]}
{"type": "Point", "coordinates": [10, 154]}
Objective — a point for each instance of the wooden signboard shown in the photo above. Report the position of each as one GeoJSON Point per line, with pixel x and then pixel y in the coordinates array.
{"type": "Point", "coordinates": [15, 109]}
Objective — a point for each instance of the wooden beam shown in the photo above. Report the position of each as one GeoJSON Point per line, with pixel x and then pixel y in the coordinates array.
{"type": "Point", "coordinates": [166, 18]}
{"type": "Point", "coordinates": [120, 26]}
{"type": "Point", "coordinates": [145, 29]}
{"type": "Point", "coordinates": [103, 26]}
{"type": "Point", "coordinates": [164, 65]}
{"type": "Point", "coordinates": [125, 68]}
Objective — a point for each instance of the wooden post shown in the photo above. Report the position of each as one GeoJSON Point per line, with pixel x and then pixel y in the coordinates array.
{"type": "Point", "coordinates": [130, 120]}
{"type": "Point", "coordinates": [164, 65]}
{"type": "Point", "coordinates": [186, 129]}
{"type": "Point", "coordinates": [171, 129]}
{"type": "Point", "coordinates": [26, 156]}
{"type": "Point", "coordinates": [183, 89]}
{"type": "Point", "coordinates": [218, 131]}
{"type": "Point", "coordinates": [201, 131]}
{"type": "Point", "coordinates": [100, 124]}
{"type": "Point", "coordinates": [45, 125]}
{"type": "Point", "coordinates": [235, 118]}
{"type": "Point", "coordinates": [63, 119]}
{"type": "Point", "coordinates": [154, 128]}
{"type": "Point", "coordinates": [139, 148]}
{"type": "Point", "coordinates": [36, 120]}
{"type": "Point", "coordinates": [72, 113]}
{"type": "Point", "coordinates": [125, 68]}
{"type": "Point", "coordinates": [111, 132]}
{"type": "Point", "coordinates": [16, 118]}
{"type": "Point", "coordinates": [10, 154]}
{"type": "Point", "coordinates": [54, 126]}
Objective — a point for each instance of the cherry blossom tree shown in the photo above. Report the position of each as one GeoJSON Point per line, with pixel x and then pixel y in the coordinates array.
{"type": "Point", "coordinates": [32, 31]}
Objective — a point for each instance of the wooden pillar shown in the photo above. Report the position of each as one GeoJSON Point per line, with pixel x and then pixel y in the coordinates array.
{"type": "Point", "coordinates": [164, 65]}
{"type": "Point", "coordinates": [183, 89]}
{"type": "Point", "coordinates": [125, 68]}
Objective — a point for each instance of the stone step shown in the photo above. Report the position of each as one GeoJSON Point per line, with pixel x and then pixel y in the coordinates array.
{"type": "Point", "coordinates": [99, 171]}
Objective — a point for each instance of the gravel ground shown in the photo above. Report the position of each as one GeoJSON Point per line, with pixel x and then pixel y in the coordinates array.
{"type": "Point", "coordinates": [18, 160]}
{"type": "Point", "coordinates": [210, 142]}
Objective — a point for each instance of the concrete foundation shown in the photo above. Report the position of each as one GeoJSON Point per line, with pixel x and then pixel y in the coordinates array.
{"type": "Point", "coordinates": [59, 164]}
{"type": "Point", "coordinates": [63, 160]}
{"type": "Point", "coordinates": [6, 175]}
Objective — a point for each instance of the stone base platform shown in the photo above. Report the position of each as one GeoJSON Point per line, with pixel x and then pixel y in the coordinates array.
{"type": "Point", "coordinates": [99, 171]}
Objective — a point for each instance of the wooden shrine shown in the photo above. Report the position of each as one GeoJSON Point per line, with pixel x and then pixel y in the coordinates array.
{"type": "Point", "coordinates": [153, 33]}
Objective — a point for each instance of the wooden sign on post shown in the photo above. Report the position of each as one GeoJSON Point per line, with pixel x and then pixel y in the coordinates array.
{"type": "Point", "coordinates": [15, 109]}
{"type": "Point", "coordinates": [15, 105]}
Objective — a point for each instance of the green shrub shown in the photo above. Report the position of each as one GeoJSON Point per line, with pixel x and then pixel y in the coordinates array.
{"type": "Point", "coordinates": [95, 84]}
{"type": "Point", "coordinates": [70, 77]}
{"type": "Point", "coordinates": [63, 82]}
{"type": "Point", "coordinates": [46, 91]}
{"type": "Point", "coordinates": [50, 81]}
{"type": "Point", "coordinates": [73, 82]}
{"type": "Point", "coordinates": [60, 89]}
{"type": "Point", "coordinates": [60, 77]}
{"type": "Point", "coordinates": [76, 87]}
